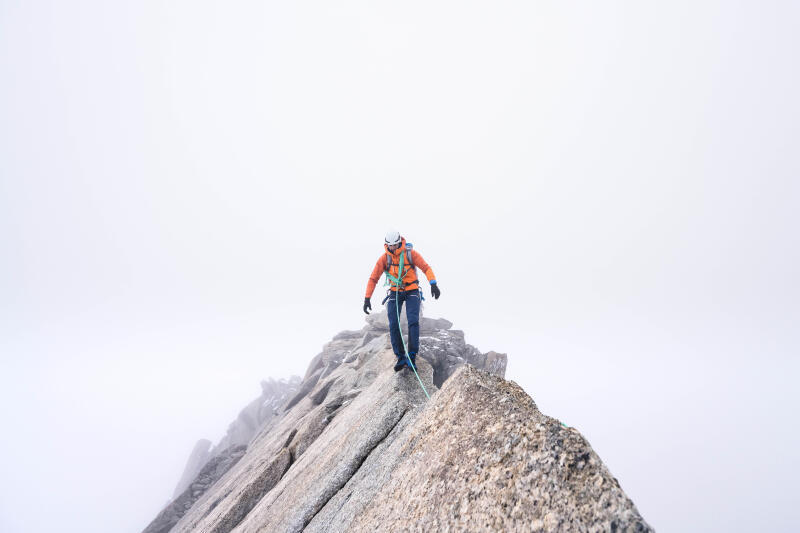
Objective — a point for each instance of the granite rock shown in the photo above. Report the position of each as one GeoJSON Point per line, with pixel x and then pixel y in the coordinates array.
{"type": "Point", "coordinates": [214, 469]}
{"type": "Point", "coordinates": [360, 447]}
{"type": "Point", "coordinates": [482, 457]}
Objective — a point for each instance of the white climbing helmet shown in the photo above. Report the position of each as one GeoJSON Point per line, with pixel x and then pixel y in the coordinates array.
{"type": "Point", "coordinates": [393, 237]}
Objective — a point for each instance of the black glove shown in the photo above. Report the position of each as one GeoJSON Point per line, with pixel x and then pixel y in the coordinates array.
{"type": "Point", "coordinates": [435, 292]}
{"type": "Point", "coordinates": [367, 305]}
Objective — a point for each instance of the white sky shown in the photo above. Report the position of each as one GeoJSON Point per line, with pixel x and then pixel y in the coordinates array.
{"type": "Point", "coordinates": [192, 195]}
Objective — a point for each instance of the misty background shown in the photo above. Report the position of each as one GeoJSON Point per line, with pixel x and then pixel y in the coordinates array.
{"type": "Point", "coordinates": [193, 194]}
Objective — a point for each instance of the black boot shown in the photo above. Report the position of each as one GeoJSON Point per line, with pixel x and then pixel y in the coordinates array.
{"type": "Point", "coordinates": [401, 362]}
{"type": "Point", "coordinates": [413, 358]}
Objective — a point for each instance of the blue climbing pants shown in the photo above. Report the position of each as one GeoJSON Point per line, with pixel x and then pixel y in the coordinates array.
{"type": "Point", "coordinates": [411, 299]}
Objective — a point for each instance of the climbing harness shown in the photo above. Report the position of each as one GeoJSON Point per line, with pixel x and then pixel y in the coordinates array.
{"type": "Point", "coordinates": [398, 282]}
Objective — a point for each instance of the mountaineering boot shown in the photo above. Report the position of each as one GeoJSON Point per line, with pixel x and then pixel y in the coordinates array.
{"type": "Point", "coordinates": [413, 358]}
{"type": "Point", "coordinates": [401, 362]}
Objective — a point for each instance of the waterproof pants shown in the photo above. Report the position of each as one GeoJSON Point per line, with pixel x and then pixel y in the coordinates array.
{"type": "Point", "coordinates": [411, 299]}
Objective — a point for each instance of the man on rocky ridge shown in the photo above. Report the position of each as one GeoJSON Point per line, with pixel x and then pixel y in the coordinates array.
{"type": "Point", "coordinates": [404, 288]}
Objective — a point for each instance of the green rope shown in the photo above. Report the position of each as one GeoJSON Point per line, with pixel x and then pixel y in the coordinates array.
{"type": "Point", "coordinates": [398, 283]}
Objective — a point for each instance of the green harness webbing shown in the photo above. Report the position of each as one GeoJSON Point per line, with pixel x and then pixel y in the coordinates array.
{"type": "Point", "coordinates": [399, 283]}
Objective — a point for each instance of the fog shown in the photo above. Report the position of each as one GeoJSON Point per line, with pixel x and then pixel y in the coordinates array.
{"type": "Point", "coordinates": [193, 194]}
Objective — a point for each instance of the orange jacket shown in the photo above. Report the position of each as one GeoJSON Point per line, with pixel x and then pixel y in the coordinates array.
{"type": "Point", "coordinates": [410, 279]}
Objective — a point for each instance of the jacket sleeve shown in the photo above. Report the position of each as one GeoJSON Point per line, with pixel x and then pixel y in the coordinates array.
{"type": "Point", "coordinates": [420, 263]}
{"type": "Point", "coordinates": [376, 275]}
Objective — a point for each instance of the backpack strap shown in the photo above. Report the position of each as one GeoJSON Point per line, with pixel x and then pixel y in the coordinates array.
{"type": "Point", "coordinates": [409, 260]}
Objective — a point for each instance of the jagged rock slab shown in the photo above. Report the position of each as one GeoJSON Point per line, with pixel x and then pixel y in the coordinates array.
{"type": "Point", "coordinates": [205, 466]}
{"type": "Point", "coordinates": [479, 456]}
{"type": "Point", "coordinates": [340, 451]}
{"type": "Point", "coordinates": [200, 455]}
{"type": "Point", "coordinates": [213, 470]}
{"type": "Point", "coordinates": [259, 412]}
{"type": "Point", "coordinates": [225, 518]}
{"type": "Point", "coordinates": [482, 457]}
{"type": "Point", "coordinates": [328, 434]}
{"type": "Point", "coordinates": [350, 432]}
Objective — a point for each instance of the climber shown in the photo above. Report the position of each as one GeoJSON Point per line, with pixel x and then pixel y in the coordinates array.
{"type": "Point", "coordinates": [404, 287]}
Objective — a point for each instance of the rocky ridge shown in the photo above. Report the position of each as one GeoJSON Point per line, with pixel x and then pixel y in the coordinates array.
{"type": "Point", "coordinates": [359, 447]}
